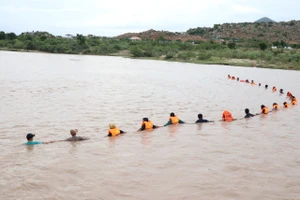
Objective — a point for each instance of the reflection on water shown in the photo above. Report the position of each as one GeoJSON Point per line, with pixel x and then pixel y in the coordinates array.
{"type": "Point", "coordinates": [46, 94]}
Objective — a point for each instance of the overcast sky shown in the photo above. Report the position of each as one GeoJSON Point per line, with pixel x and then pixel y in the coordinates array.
{"type": "Point", "coordinates": [115, 17]}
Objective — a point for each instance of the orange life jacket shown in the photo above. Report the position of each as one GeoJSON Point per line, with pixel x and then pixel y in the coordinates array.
{"type": "Point", "coordinates": [265, 110]}
{"type": "Point", "coordinates": [276, 107]}
{"type": "Point", "coordinates": [174, 120]}
{"type": "Point", "coordinates": [274, 89]}
{"type": "Point", "coordinates": [148, 124]}
{"type": "Point", "coordinates": [294, 101]}
{"type": "Point", "coordinates": [114, 131]}
{"type": "Point", "coordinates": [227, 116]}
{"type": "Point", "coordinates": [287, 105]}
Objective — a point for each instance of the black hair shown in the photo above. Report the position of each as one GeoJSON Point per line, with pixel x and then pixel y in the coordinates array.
{"type": "Point", "coordinates": [247, 110]}
{"type": "Point", "coordinates": [145, 119]}
{"type": "Point", "coordinates": [172, 114]}
{"type": "Point", "coordinates": [200, 116]}
{"type": "Point", "coordinates": [262, 106]}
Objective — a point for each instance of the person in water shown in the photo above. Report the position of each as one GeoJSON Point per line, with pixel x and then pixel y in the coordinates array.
{"type": "Point", "coordinates": [264, 109]}
{"type": "Point", "coordinates": [248, 114]}
{"type": "Point", "coordinates": [266, 86]}
{"type": "Point", "coordinates": [252, 82]}
{"type": "Point", "coordinates": [201, 120]}
{"type": "Point", "coordinates": [174, 120]}
{"type": "Point", "coordinates": [294, 100]}
{"type": "Point", "coordinates": [286, 105]}
{"type": "Point", "coordinates": [30, 141]}
{"type": "Point", "coordinates": [288, 94]}
{"type": "Point", "coordinates": [73, 133]}
{"type": "Point", "coordinates": [237, 78]}
{"type": "Point", "coordinates": [147, 124]}
{"type": "Point", "coordinates": [274, 89]}
{"type": "Point", "coordinates": [259, 84]}
{"type": "Point", "coordinates": [247, 81]}
{"type": "Point", "coordinates": [226, 116]}
{"type": "Point", "coordinates": [275, 106]}
{"type": "Point", "coordinates": [281, 91]}
{"type": "Point", "coordinates": [114, 131]}
{"type": "Point", "coordinates": [229, 77]}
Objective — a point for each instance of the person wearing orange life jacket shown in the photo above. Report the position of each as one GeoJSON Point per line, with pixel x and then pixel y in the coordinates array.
{"type": "Point", "coordinates": [174, 120]}
{"type": "Point", "coordinates": [274, 89]}
{"type": "Point", "coordinates": [114, 131]}
{"type": "Point", "coordinates": [275, 106]}
{"type": "Point", "coordinates": [288, 94]}
{"type": "Point", "coordinates": [286, 105]}
{"type": "Point", "coordinates": [147, 124]}
{"type": "Point", "coordinates": [264, 109]}
{"type": "Point", "coordinates": [226, 116]}
{"type": "Point", "coordinates": [233, 78]}
{"type": "Point", "coordinates": [294, 100]}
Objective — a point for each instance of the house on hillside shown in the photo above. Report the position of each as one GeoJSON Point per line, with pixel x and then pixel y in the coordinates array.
{"type": "Point", "coordinates": [135, 38]}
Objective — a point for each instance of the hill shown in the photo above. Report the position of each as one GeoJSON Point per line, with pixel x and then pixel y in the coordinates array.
{"type": "Point", "coordinates": [286, 31]}
{"type": "Point", "coordinates": [264, 20]}
{"type": "Point", "coordinates": [154, 35]}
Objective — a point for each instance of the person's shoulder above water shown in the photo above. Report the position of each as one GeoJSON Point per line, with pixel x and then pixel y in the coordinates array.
{"type": "Point", "coordinates": [248, 115]}
{"type": "Point", "coordinates": [73, 132]}
{"type": "Point", "coordinates": [33, 143]}
{"type": "Point", "coordinates": [200, 119]}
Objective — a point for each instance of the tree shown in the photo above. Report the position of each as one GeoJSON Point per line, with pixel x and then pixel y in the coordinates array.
{"type": "Point", "coordinates": [10, 36]}
{"type": "Point", "coordinates": [231, 45]}
{"type": "Point", "coordinates": [2, 35]}
{"type": "Point", "coordinates": [80, 39]}
{"type": "Point", "coordinates": [263, 46]}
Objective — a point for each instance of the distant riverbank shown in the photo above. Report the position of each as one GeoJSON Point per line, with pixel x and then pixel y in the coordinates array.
{"type": "Point", "coordinates": [250, 53]}
{"type": "Point", "coordinates": [212, 61]}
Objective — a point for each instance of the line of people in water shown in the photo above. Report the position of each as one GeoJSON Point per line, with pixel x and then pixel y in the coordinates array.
{"type": "Point", "coordinates": [289, 95]}
{"type": "Point", "coordinates": [173, 119]}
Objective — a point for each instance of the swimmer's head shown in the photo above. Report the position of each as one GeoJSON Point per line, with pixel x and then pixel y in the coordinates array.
{"type": "Point", "coordinates": [266, 86]}
{"type": "Point", "coordinates": [112, 126]}
{"type": "Point", "coordinates": [200, 116]}
{"type": "Point", "coordinates": [145, 119]}
{"type": "Point", "coordinates": [274, 104]}
{"type": "Point", "coordinates": [247, 110]}
{"type": "Point", "coordinates": [73, 132]}
{"type": "Point", "coordinates": [284, 103]}
{"type": "Point", "coordinates": [172, 114]}
{"type": "Point", "coordinates": [262, 106]}
{"type": "Point", "coordinates": [30, 136]}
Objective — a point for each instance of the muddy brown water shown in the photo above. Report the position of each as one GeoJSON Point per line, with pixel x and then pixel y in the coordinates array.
{"type": "Point", "coordinates": [49, 94]}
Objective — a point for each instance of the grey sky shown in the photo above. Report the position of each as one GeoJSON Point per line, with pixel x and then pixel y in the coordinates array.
{"type": "Point", "coordinates": [115, 17]}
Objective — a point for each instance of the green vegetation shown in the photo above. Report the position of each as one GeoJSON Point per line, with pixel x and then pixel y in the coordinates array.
{"type": "Point", "coordinates": [242, 52]}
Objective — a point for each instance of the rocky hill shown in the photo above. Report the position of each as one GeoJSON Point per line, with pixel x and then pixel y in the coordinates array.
{"type": "Point", "coordinates": [264, 19]}
{"type": "Point", "coordinates": [270, 31]}
{"type": "Point", "coordinates": [154, 35]}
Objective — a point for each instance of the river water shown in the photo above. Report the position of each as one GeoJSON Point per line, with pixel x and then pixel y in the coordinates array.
{"type": "Point", "coordinates": [49, 94]}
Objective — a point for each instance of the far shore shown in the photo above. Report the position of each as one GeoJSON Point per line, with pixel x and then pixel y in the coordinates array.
{"type": "Point", "coordinates": [211, 61]}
